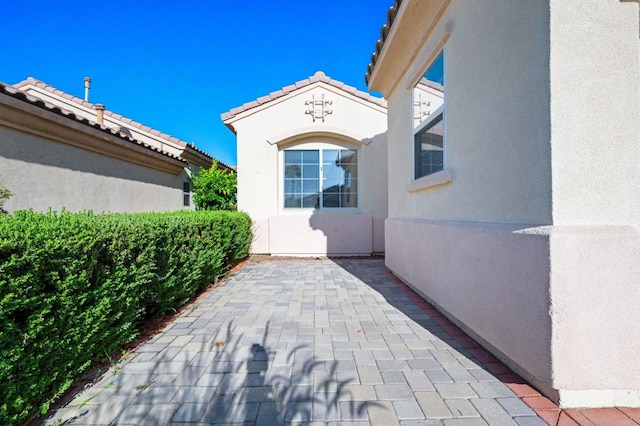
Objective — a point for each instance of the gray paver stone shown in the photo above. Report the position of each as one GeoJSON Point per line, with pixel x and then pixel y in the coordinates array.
{"type": "Point", "coordinates": [455, 390]}
{"type": "Point", "coordinates": [381, 413]}
{"type": "Point", "coordinates": [515, 407]}
{"type": "Point", "coordinates": [432, 405]}
{"type": "Point", "coordinates": [408, 409]}
{"type": "Point", "coordinates": [393, 392]}
{"type": "Point", "coordinates": [462, 408]}
{"type": "Point", "coordinates": [492, 412]}
{"type": "Point", "coordinates": [189, 412]}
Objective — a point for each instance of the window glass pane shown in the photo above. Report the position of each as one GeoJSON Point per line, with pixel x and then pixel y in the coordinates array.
{"type": "Point", "coordinates": [330, 156]}
{"type": "Point", "coordinates": [292, 157]}
{"type": "Point", "coordinates": [292, 171]}
{"type": "Point", "coordinates": [348, 156]}
{"type": "Point", "coordinates": [310, 201]}
{"type": "Point", "coordinates": [301, 178]}
{"type": "Point", "coordinates": [332, 172]}
{"type": "Point", "coordinates": [330, 200]}
{"type": "Point", "coordinates": [292, 185]}
{"type": "Point", "coordinates": [310, 186]}
{"type": "Point", "coordinates": [428, 93]}
{"type": "Point", "coordinates": [332, 184]}
{"type": "Point", "coordinates": [293, 200]}
{"type": "Point", "coordinates": [310, 157]}
{"type": "Point", "coordinates": [310, 171]}
{"type": "Point", "coordinates": [337, 169]}
{"type": "Point", "coordinates": [429, 148]}
{"type": "Point", "coordinates": [349, 200]}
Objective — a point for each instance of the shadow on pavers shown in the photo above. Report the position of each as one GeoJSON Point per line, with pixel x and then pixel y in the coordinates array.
{"type": "Point", "coordinates": [228, 379]}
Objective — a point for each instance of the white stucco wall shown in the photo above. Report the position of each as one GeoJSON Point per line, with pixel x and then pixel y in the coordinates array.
{"type": "Point", "coordinates": [262, 135]}
{"type": "Point", "coordinates": [44, 174]}
{"type": "Point", "coordinates": [534, 244]}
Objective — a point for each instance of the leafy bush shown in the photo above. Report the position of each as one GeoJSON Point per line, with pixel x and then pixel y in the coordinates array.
{"type": "Point", "coordinates": [76, 286]}
{"type": "Point", "coordinates": [215, 189]}
{"type": "Point", "coordinates": [4, 196]}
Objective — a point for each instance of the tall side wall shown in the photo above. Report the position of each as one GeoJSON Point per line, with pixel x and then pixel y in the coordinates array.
{"type": "Point", "coordinates": [464, 244]}
{"type": "Point", "coordinates": [44, 174]}
{"type": "Point", "coordinates": [533, 246]}
{"type": "Point", "coordinates": [595, 256]}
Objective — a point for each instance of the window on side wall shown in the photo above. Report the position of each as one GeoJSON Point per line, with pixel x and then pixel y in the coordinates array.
{"type": "Point", "coordinates": [429, 119]}
{"type": "Point", "coordinates": [321, 178]}
{"type": "Point", "coordinates": [186, 194]}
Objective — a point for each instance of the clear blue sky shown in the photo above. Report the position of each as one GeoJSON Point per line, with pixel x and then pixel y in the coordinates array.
{"type": "Point", "coordinates": [177, 65]}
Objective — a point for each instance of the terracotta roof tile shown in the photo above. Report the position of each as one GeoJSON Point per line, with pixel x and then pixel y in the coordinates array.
{"type": "Point", "coordinates": [384, 32]}
{"type": "Point", "coordinates": [22, 96]}
{"type": "Point", "coordinates": [319, 76]}
{"type": "Point", "coordinates": [288, 89]}
{"type": "Point", "coordinates": [115, 116]}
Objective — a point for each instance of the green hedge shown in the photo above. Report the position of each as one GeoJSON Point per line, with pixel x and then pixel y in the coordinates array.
{"type": "Point", "coordinates": [74, 287]}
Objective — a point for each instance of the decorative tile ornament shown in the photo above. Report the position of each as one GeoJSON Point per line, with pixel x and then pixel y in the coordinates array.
{"type": "Point", "coordinates": [317, 108]}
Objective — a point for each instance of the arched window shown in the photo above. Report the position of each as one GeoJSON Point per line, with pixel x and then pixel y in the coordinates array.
{"type": "Point", "coordinates": [320, 176]}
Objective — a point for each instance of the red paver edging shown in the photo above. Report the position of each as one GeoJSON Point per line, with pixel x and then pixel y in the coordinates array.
{"type": "Point", "coordinates": [546, 409]}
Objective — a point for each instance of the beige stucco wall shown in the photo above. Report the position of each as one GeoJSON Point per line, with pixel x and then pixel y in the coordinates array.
{"type": "Point", "coordinates": [491, 279]}
{"type": "Point", "coordinates": [534, 244]}
{"type": "Point", "coordinates": [44, 174]}
{"type": "Point", "coordinates": [500, 165]}
{"type": "Point", "coordinates": [262, 135]}
{"type": "Point", "coordinates": [595, 83]}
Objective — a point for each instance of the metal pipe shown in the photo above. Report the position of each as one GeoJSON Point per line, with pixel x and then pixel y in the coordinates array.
{"type": "Point", "coordinates": [87, 85]}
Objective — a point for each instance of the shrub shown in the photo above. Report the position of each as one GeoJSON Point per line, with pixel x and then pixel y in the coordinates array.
{"type": "Point", "coordinates": [215, 189]}
{"type": "Point", "coordinates": [76, 286]}
{"type": "Point", "coordinates": [4, 196]}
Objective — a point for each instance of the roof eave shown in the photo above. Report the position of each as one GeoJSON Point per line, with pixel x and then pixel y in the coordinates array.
{"type": "Point", "coordinates": [410, 26]}
{"type": "Point", "coordinates": [286, 92]}
{"type": "Point", "coordinates": [50, 122]}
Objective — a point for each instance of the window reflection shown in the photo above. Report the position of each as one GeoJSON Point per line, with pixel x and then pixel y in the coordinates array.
{"type": "Point", "coordinates": [333, 183]}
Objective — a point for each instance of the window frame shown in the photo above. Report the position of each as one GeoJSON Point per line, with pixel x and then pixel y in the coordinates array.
{"type": "Point", "coordinates": [434, 118]}
{"type": "Point", "coordinates": [186, 194]}
{"type": "Point", "coordinates": [441, 176]}
{"type": "Point", "coordinates": [319, 146]}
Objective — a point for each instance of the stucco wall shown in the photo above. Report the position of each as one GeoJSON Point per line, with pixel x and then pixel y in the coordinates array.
{"type": "Point", "coordinates": [595, 86]}
{"type": "Point", "coordinates": [534, 244]}
{"type": "Point", "coordinates": [497, 111]}
{"type": "Point", "coordinates": [595, 271]}
{"type": "Point", "coordinates": [42, 174]}
{"type": "Point", "coordinates": [264, 132]}
{"type": "Point", "coordinates": [491, 279]}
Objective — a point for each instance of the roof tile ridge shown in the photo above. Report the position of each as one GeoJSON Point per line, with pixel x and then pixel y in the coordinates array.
{"type": "Point", "coordinates": [143, 127]}
{"type": "Point", "coordinates": [19, 94]}
{"type": "Point", "coordinates": [302, 83]}
{"type": "Point", "coordinates": [25, 82]}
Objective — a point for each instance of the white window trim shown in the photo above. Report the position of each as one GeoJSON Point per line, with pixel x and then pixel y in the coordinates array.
{"type": "Point", "coordinates": [428, 181]}
{"type": "Point", "coordinates": [317, 145]}
{"type": "Point", "coordinates": [443, 176]}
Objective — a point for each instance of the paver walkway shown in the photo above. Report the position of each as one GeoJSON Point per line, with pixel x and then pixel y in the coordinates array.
{"type": "Point", "coordinates": [332, 342]}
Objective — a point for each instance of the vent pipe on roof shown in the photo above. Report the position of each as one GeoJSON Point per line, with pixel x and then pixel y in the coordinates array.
{"type": "Point", "coordinates": [87, 85]}
{"type": "Point", "coordinates": [99, 114]}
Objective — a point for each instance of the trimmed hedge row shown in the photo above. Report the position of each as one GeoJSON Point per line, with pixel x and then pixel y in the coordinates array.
{"type": "Point", "coordinates": [74, 287]}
